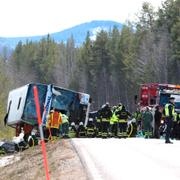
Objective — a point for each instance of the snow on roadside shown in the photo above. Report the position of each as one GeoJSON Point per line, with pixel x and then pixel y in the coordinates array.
{"type": "Point", "coordinates": [6, 160]}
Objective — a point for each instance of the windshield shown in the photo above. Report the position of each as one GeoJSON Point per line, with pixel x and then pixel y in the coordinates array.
{"type": "Point", "coordinates": [70, 102]}
{"type": "Point", "coordinates": [29, 114]}
{"type": "Point", "coordinates": [164, 98]}
{"type": "Point", "coordinates": [177, 100]}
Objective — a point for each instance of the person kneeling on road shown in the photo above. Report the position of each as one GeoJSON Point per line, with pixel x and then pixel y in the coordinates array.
{"type": "Point", "coordinates": [90, 128]}
{"type": "Point", "coordinates": [72, 131]}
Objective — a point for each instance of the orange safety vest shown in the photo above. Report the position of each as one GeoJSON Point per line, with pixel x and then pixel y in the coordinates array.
{"type": "Point", "coordinates": [55, 120]}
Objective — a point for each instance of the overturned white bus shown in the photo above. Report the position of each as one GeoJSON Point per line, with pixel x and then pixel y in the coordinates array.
{"type": "Point", "coordinates": [21, 109]}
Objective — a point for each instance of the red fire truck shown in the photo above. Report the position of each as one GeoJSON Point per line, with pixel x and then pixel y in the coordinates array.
{"type": "Point", "coordinates": [155, 94]}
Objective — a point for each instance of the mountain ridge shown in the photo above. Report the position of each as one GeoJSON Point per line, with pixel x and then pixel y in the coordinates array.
{"type": "Point", "coordinates": [78, 32]}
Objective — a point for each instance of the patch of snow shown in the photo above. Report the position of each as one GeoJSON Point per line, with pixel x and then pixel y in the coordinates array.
{"type": "Point", "coordinates": [6, 160]}
{"type": "Point", "coordinates": [96, 30]}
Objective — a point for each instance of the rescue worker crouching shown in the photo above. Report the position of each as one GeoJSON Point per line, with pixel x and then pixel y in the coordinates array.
{"type": "Point", "coordinates": [72, 130]}
{"type": "Point", "coordinates": [53, 124]}
{"type": "Point", "coordinates": [90, 128]}
{"type": "Point", "coordinates": [32, 139]}
{"type": "Point", "coordinates": [81, 131]}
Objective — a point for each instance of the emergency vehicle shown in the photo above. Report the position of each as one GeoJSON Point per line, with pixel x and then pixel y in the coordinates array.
{"type": "Point", "coordinates": [155, 94]}
{"type": "Point", "coordinates": [21, 109]}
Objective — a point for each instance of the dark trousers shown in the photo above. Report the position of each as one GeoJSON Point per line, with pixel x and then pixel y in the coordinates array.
{"type": "Point", "coordinates": [168, 122]}
{"type": "Point", "coordinates": [99, 128]}
{"type": "Point", "coordinates": [156, 132]}
{"type": "Point", "coordinates": [122, 129]}
{"type": "Point", "coordinates": [114, 129]}
{"type": "Point", "coordinates": [105, 126]}
{"type": "Point", "coordinates": [65, 128]}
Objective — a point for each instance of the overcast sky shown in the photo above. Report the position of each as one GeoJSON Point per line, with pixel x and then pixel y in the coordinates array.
{"type": "Point", "coordinates": [38, 17]}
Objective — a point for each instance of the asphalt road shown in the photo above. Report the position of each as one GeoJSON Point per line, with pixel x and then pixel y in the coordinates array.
{"type": "Point", "coordinates": [129, 159]}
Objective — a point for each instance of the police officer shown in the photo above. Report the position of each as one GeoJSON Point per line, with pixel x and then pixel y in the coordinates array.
{"type": "Point", "coordinates": [169, 114]}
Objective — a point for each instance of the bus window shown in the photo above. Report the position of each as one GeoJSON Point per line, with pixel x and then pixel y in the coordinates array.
{"type": "Point", "coordinates": [29, 114]}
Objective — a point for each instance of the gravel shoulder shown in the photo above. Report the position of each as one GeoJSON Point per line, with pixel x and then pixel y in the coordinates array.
{"type": "Point", "coordinates": [63, 162]}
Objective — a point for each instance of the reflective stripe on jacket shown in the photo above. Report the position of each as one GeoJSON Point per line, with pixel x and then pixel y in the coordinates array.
{"type": "Point", "coordinates": [167, 113]}
{"type": "Point", "coordinates": [55, 120]}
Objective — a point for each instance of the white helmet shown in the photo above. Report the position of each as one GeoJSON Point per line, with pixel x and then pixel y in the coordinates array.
{"type": "Point", "coordinates": [81, 123]}
{"type": "Point", "coordinates": [72, 124]}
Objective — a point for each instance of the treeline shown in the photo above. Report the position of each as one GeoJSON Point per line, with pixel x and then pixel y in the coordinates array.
{"type": "Point", "coordinates": [110, 68]}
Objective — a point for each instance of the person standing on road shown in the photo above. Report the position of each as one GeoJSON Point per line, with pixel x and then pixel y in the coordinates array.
{"type": "Point", "coordinates": [122, 116]}
{"type": "Point", "coordinates": [157, 118]}
{"type": "Point", "coordinates": [169, 111]}
{"type": "Point", "coordinates": [147, 120]}
{"type": "Point", "coordinates": [105, 114]}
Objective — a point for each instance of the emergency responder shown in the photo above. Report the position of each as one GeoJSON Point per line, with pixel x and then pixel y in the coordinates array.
{"type": "Point", "coordinates": [147, 119]}
{"type": "Point", "coordinates": [169, 111]}
{"type": "Point", "coordinates": [105, 114]}
{"type": "Point", "coordinates": [123, 116]}
{"type": "Point", "coordinates": [113, 125]}
{"type": "Point", "coordinates": [32, 139]}
{"type": "Point", "coordinates": [157, 119]}
{"type": "Point", "coordinates": [90, 128]}
{"type": "Point", "coordinates": [65, 126]}
{"type": "Point", "coordinates": [114, 121]}
{"type": "Point", "coordinates": [138, 116]}
{"type": "Point", "coordinates": [81, 131]}
{"type": "Point", "coordinates": [53, 124]}
{"type": "Point", "coordinates": [72, 131]}
{"type": "Point", "coordinates": [98, 124]}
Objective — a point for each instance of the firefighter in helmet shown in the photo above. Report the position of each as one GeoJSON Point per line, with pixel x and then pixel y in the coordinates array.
{"type": "Point", "coordinates": [72, 130]}
{"type": "Point", "coordinates": [90, 128]}
{"type": "Point", "coordinates": [123, 116]}
{"type": "Point", "coordinates": [81, 131]}
{"type": "Point", "coordinates": [53, 124]}
{"type": "Point", "coordinates": [105, 115]}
